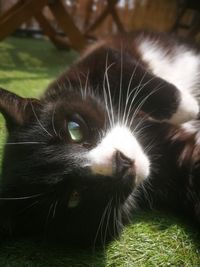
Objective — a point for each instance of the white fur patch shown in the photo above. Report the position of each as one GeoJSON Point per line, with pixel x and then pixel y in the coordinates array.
{"type": "Point", "coordinates": [181, 69]}
{"type": "Point", "coordinates": [193, 128]}
{"type": "Point", "coordinates": [119, 138]}
{"type": "Point", "coordinates": [190, 127]}
{"type": "Point", "coordinates": [188, 109]}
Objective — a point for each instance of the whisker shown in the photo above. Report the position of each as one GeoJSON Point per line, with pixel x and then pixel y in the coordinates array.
{"type": "Point", "coordinates": [24, 143]}
{"type": "Point", "coordinates": [101, 224]}
{"type": "Point", "coordinates": [86, 84]}
{"type": "Point", "coordinates": [116, 226]}
{"type": "Point", "coordinates": [143, 101]}
{"type": "Point", "coordinates": [53, 121]}
{"type": "Point", "coordinates": [64, 85]}
{"type": "Point", "coordinates": [147, 194]}
{"type": "Point", "coordinates": [106, 103]}
{"type": "Point", "coordinates": [136, 92]}
{"type": "Point", "coordinates": [54, 210]}
{"type": "Point", "coordinates": [48, 215]}
{"type": "Point", "coordinates": [114, 221]}
{"type": "Point", "coordinates": [128, 90]}
{"type": "Point", "coordinates": [138, 125]}
{"type": "Point", "coordinates": [81, 86]}
{"type": "Point", "coordinates": [107, 223]}
{"type": "Point", "coordinates": [39, 120]}
{"type": "Point", "coordinates": [120, 85]}
{"type": "Point", "coordinates": [119, 224]}
{"type": "Point", "coordinates": [29, 206]}
{"type": "Point", "coordinates": [106, 81]}
{"type": "Point", "coordinates": [22, 198]}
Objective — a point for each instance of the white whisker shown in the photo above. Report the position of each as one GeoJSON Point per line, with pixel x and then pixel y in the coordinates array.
{"type": "Point", "coordinates": [109, 105]}
{"type": "Point", "coordinates": [22, 198]}
{"type": "Point", "coordinates": [86, 84]}
{"type": "Point", "coordinates": [24, 143]}
{"type": "Point", "coordinates": [136, 92]}
{"type": "Point", "coordinates": [99, 229]}
{"type": "Point", "coordinates": [53, 121]}
{"type": "Point", "coordinates": [120, 85]}
{"type": "Point", "coordinates": [143, 101]}
{"type": "Point", "coordinates": [54, 210]}
{"type": "Point", "coordinates": [127, 93]}
{"type": "Point", "coordinates": [107, 222]}
{"type": "Point", "coordinates": [43, 128]}
{"type": "Point", "coordinates": [81, 86]}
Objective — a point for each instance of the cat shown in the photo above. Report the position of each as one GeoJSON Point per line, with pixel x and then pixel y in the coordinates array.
{"type": "Point", "coordinates": [108, 135]}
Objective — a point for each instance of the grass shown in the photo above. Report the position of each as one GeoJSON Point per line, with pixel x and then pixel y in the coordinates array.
{"type": "Point", "coordinates": [153, 239]}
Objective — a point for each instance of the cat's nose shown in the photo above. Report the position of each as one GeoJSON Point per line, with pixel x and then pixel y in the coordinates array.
{"type": "Point", "coordinates": [122, 164]}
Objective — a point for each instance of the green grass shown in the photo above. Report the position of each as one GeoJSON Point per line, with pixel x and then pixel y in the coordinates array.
{"type": "Point", "coordinates": [154, 239]}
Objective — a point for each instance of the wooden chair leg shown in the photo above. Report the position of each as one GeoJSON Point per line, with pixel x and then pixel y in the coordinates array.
{"type": "Point", "coordinates": [109, 10]}
{"type": "Point", "coordinates": [98, 21]}
{"type": "Point", "coordinates": [11, 10]}
{"type": "Point", "coordinates": [60, 12]}
{"type": "Point", "coordinates": [111, 6]}
{"type": "Point", "coordinates": [18, 15]}
{"type": "Point", "coordinates": [59, 41]}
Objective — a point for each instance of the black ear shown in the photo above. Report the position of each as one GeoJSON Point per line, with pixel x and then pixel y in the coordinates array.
{"type": "Point", "coordinates": [17, 110]}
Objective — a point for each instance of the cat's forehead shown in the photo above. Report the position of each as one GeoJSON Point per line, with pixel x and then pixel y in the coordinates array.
{"type": "Point", "coordinates": [87, 106]}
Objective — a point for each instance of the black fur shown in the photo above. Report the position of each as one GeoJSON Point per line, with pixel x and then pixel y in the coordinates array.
{"type": "Point", "coordinates": [42, 167]}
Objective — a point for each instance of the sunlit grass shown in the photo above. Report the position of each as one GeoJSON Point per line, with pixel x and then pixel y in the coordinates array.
{"type": "Point", "coordinates": [155, 240]}
{"type": "Point", "coordinates": [26, 68]}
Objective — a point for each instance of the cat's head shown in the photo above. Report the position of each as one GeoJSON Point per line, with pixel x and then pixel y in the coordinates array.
{"type": "Point", "coordinates": [69, 167]}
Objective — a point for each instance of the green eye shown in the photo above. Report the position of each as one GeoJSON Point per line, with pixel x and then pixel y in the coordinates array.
{"type": "Point", "coordinates": [75, 132]}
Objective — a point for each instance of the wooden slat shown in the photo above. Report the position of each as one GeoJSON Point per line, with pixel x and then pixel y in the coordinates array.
{"type": "Point", "coordinates": [10, 10]}
{"type": "Point", "coordinates": [19, 15]}
{"type": "Point", "coordinates": [60, 12]}
{"type": "Point", "coordinates": [59, 41]}
{"type": "Point", "coordinates": [86, 5]}
{"type": "Point", "coordinates": [111, 6]}
{"type": "Point", "coordinates": [102, 16]}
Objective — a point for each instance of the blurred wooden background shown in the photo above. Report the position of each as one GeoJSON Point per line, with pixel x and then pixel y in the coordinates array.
{"type": "Point", "coordinates": [159, 15]}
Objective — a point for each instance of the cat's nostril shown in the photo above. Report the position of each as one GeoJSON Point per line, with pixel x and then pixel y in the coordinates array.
{"type": "Point", "coordinates": [122, 163]}
{"type": "Point", "coordinates": [122, 159]}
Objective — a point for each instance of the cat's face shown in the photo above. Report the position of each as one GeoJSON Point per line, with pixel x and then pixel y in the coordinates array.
{"type": "Point", "coordinates": [71, 166]}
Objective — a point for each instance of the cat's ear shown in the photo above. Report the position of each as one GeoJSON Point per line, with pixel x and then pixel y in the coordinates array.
{"type": "Point", "coordinates": [17, 111]}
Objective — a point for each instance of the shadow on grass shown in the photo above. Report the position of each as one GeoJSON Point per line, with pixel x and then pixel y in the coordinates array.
{"type": "Point", "coordinates": [35, 254]}
{"type": "Point", "coordinates": [33, 54]}
{"type": "Point", "coordinates": [27, 66]}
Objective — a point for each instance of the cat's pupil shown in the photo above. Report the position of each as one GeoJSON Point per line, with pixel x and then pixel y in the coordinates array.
{"type": "Point", "coordinates": [75, 131]}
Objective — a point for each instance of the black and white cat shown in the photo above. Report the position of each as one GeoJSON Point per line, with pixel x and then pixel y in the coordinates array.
{"type": "Point", "coordinates": [103, 139]}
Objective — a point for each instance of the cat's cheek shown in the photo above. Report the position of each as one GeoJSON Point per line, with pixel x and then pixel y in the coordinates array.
{"type": "Point", "coordinates": [100, 161]}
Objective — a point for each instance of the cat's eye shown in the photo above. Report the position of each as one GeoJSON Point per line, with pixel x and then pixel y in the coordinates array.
{"type": "Point", "coordinates": [74, 200]}
{"type": "Point", "coordinates": [75, 131]}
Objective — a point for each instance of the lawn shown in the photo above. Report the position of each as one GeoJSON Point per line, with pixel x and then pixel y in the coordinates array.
{"type": "Point", "coordinates": [153, 239]}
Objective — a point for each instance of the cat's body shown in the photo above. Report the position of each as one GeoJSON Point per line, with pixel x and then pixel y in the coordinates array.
{"type": "Point", "coordinates": [74, 158]}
